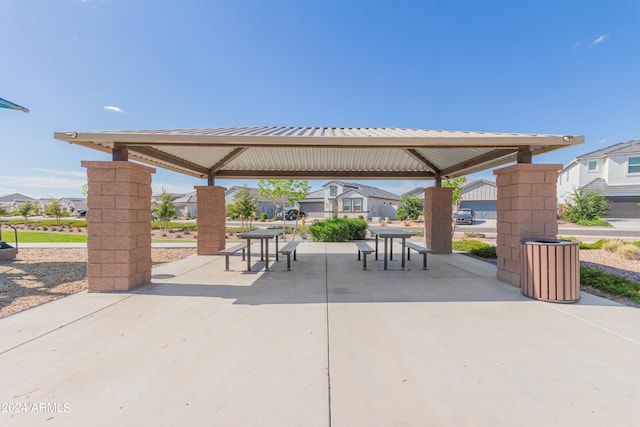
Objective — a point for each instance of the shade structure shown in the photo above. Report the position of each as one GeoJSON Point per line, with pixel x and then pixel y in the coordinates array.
{"type": "Point", "coordinates": [320, 152]}
{"type": "Point", "coordinates": [10, 105]}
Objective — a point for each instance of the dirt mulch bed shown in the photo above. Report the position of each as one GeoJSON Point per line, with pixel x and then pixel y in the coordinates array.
{"type": "Point", "coordinates": [37, 276]}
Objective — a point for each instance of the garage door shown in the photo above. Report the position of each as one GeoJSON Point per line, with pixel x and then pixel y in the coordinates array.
{"type": "Point", "coordinates": [484, 209]}
{"type": "Point", "coordinates": [624, 207]}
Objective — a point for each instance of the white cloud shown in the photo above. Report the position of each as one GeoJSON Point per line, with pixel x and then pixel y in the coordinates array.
{"type": "Point", "coordinates": [114, 108]}
{"type": "Point", "coordinates": [576, 45]}
{"type": "Point", "coordinates": [42, 186]}
{"type": "Point", "coordinates": [600, 39]}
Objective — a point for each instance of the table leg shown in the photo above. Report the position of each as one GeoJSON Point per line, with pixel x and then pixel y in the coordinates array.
{"type": "Point", "coordinates": [261, 249]}
{"type": "Point", "coordinates": [248, 254]}
{"type": "Point", "coordinates": [266, 263]}
{"type": "Point", "coordinates": [376, 247]}
{"type": "Point", "coordinates": [391, 248]}
{"type": "Point", "coordinates": [403, 241]}
{"type": "Point", "coordinates": [277, 249]}
{"type": "Point", "coordinates": [385, 253]}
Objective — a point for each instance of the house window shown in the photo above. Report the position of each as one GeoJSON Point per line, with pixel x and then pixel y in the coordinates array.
{"type": "Point", "coordinates": [347, 205]}
{"type": "Point", "coordinates": [333, 190]}
{"type": "Point", "coordinates": [592, 166]}
{"type": "Point", "coordinates": [634, 165]}
{"type": "Point", "coordinates": [357, 205]}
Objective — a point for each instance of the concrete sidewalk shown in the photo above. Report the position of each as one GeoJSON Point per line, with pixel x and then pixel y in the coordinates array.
{"type": "Point", "coordinates": [325, 344]}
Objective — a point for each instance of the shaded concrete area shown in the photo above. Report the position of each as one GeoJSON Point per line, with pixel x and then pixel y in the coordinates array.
{"type": "Point", "coordinates": [325, 344]}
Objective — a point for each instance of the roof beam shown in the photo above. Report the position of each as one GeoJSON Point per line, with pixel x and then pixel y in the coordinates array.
{"type": "Point", "coordinates": [222, 163]}
{"type": "Point", "coordinates": [483, 158]}
{"type": "Point", "coordinates": [419, 157]}
{"type": "Point", "coordinates": [306, 174]}
{"type": "Point", "coordinates": [171, 159]}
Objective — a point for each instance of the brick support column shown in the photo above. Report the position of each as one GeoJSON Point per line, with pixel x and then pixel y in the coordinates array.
{"type": "Point", "coordinates": [118, 225]}
{"type": "Point", "coordinates": [210, 219]}
{"type": "Point", "coordinates": [527, 202]}
{"type": "Point", "coordinates": [437, 219]}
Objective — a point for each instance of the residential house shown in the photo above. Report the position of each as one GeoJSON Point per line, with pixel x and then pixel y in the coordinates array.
{"type": "Point", "coordinates": [186, 205]}
{"type": "Point", "coordinates": [313, 204]}
{"type": "Point", "coordinates": [69, 205]}
{"type": "Point", "coordinates": [263, 204]}
{"type": "Point", "coordinates": [478, 194]}
{"type": "Point", "coordinates": [353, 200]}
{"type": "Point", "coordinates": [10, 202]}
{"type": "Point", "coordinates": [614, 171]}
{"type": "Point", "coordinates": [481, 196]}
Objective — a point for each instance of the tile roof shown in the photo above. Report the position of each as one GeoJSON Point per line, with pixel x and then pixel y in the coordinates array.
{"type": "Point", "coordinates": [628, 147]}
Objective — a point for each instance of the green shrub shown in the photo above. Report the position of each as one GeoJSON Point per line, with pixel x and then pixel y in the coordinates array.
{"type": "Point", "coordinates": [475, 247]}
{"type": "Point", "coordinates": [357, 229]}
{"type": "Point", "coordinates": [333, 230]}
{"type": "Point", "coordinates": [474, 234]}
{"type": "Point", "coordinates": [613, 284]}
{"type": "Point", "coordinates": [597, 222]}
{"type": "Point", "coordinates": [595, 245]}
{"type": "Point", "coordinates": [188, 228]}
{"type": "Point", "coordinates": [585, 205]}
{"type": "Point", "coordinates": [338, 230]}
{"type": "Point", "coordinates": [485, 252]}
{"type": "Point", "coordinates": [263, 216]}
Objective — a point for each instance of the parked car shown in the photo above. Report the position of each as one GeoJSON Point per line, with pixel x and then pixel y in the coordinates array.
{"type": "Point", "coordinates": [290, 214]}
{"type": "Point", "coordinates": [466, 216]}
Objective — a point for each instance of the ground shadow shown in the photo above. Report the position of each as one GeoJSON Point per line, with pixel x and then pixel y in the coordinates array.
{"type": "Point", "coordinates": [37, 279]}
{"type": "Point", "coordinates": [339, 278]}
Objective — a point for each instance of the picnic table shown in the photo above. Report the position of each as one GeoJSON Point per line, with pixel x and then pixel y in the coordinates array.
{"type": "Point", "coordinates": [389, 234]}
{"type": "Point", "coordinates": [264, 236]}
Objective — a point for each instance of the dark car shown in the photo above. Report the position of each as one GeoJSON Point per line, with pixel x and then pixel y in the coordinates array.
{"type": "Point", "coordinates": [466, 216]}
{"type": "Point", "coordinates": [290, 214]}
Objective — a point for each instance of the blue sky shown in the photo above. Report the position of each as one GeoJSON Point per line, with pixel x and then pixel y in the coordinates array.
{"type": "Point", "coordinates": [565, 67]}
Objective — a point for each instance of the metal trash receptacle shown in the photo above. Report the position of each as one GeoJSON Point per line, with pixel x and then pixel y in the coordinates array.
{"type": "Point", "coordinates": [550, 269]}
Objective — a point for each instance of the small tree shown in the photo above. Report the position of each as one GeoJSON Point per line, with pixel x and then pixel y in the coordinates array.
{"type": "Point", "coordinates": [456, 197]}
{"type": "Point", "coordinates": [585, 206]}
{"type": "Point", "coordinates": [26, 209]}
{"type": "Point", "coordinates": [3, 211]}
{"type": "Point", "coordinates": [244, 205]}
{"type": "Point", "coordinates": [165, 210]}
{"type": "Point", "coordinates": [291, 190]}
{"type": "Point", "coordinates": [411, 207]}
{"type": "Point", "coordinates": [272, 189]}
{"type": "Point", "coordinates": [54, 208]}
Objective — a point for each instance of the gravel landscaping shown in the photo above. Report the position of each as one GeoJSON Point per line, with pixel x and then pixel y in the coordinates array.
{"type": "Point", "coordinates": [37, 276]}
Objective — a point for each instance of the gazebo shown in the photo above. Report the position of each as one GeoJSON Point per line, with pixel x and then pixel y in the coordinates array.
{"type": "Point", "coordinates": [119, 217]}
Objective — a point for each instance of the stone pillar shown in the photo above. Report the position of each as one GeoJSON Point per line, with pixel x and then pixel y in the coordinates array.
{"type": "Point", "coordinates": [437, 219]}
{"type": "Point", "coordinates": [210, 219]}
{"type": "Point", "coordinates": [118, 225]}
{"type": "Point", "coordinates": [527, 202]}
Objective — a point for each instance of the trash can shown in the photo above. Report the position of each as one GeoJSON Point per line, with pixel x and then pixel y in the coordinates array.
{"type": "Point", "coordinates": [550, 269]}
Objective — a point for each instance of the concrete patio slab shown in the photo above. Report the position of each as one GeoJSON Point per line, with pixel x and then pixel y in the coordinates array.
{"type": "Point", "coordinates": [325, 344]}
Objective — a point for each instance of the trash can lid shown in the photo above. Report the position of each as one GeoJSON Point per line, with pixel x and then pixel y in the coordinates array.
{"type": "Point", "coordinates": [545, 241]}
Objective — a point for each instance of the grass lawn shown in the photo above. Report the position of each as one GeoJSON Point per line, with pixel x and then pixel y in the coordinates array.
{"type": "Point", "coordinates": [42, 237]}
